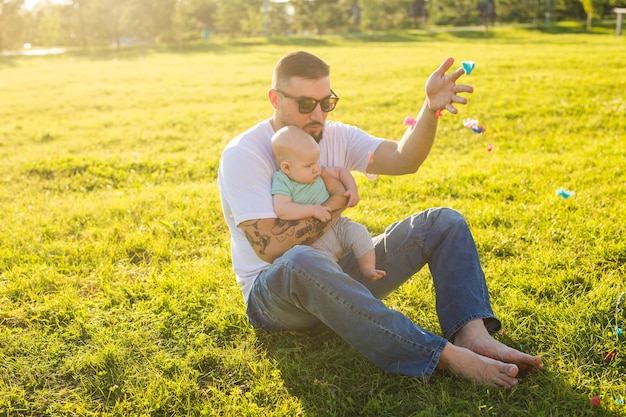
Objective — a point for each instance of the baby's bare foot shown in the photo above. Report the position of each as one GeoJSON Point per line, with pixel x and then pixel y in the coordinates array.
{"type": "Point", "coordinates": [374, 274]}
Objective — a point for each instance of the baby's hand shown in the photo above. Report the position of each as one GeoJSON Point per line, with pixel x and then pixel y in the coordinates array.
{"type": "Point", "coordinates": [353, 197]}
{"type": "Point", "coordinates": [321, 213]}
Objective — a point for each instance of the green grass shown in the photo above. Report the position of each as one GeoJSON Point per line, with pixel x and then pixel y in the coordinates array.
{"type": "Point", "coordinates": [117, 296]}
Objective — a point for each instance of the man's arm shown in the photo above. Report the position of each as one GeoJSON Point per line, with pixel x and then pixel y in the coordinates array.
{"type": "Point", "coordinates": [407, 155]}
{"type": "Point", "coordinates": [270, 238]}
{"type": "Point", "coordinates": [345, 176]}
{"type": "Point", "coordinates": [287, 209]}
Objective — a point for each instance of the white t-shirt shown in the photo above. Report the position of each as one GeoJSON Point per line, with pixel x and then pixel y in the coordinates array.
{"type": "Point", "coordinates": [245, 182]}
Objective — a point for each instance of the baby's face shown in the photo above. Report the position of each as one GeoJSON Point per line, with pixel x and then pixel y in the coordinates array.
{"type": "Point", "coordinates": [305, 167]}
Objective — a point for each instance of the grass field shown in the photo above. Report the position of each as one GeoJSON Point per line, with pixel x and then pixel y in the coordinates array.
{"type": "Point", "coordinates": [117, 296]}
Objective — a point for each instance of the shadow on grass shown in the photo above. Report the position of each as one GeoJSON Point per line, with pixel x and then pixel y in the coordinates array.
{"type": "Point", "coordinates": [329, 378]}
{"type": "Point", "coordinates": [576, 28]}
{"type": "Point", "coordinates": [395, 37]}
{"type": "Point", "coordinates": [8, 61]}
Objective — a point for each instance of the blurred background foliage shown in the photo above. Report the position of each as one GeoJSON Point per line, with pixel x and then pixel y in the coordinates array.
{"type": "Point", "coordinates": [94, 23]}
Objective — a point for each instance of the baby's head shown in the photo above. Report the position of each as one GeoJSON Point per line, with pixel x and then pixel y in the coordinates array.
{"type": "Point", "coordinates": [296, 153]}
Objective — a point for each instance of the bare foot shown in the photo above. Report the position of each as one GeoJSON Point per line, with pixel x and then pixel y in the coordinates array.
{"type": "Point", "coordinates": [374, 274]}
{"type": "Point", "coordinates": [482, 370]}
{"type": "Point", "coordinates": [475, 337]}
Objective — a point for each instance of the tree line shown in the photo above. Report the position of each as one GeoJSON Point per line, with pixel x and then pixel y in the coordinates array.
{"type": "Point", "coordinates": [88, 23]}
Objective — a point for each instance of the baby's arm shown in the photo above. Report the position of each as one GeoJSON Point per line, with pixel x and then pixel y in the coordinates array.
{"type": "Point", "coordinates": [286, 209]}
{"type": "Point", "coordinates": [348, 181]}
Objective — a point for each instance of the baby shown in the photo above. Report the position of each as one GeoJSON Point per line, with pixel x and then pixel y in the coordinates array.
{"type": "Point", "coordinates": [298, 192]}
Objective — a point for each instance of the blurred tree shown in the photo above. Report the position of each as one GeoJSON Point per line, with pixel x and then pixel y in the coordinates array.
{"type": "Point", "coordinates": [105, 22]}
{"type": "Point", "coordinates": [232, 14]}
{"type": "Point", "coordinates": [155, 19]}
{"type": "Point", "coordinates": [279, 17]}
{"type": "Point", "coordinates": [254, 25]}
{"type": "Point", "coordinates": [487, 11]}
{"type": "Point", "coordinates": [330, 16]}
{"type": "Point", "coordinates": [108, 26]}
{"type": "Point", "coordinates": [354, 11]}
{"type": "Point", "coordinates": [79, 7]}
{"type": "Point", "coordinates": [519, 11]}
{"type": "Point", "coordinates": [593, 8]}
{"type": "Point", "coordinates": [11, 24]}
{"type": "Point", "coordinates": [457, 12]}
{"type": "Point", "coordinates": [49, 27]}
{"type": "Point", "coordinates": [325, 16]}
{"type": "Point", "coordinates": [203, 12]}
{"type": "Point", "coordinates": [387, 14]}
{"type": "Point", "coordinates": [304, 15]}
{"type": "Point", "coordinates": [371, 15]}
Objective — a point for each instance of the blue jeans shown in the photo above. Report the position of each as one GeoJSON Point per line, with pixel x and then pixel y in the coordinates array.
{"type": "Point", "coordinates": [305, 287]}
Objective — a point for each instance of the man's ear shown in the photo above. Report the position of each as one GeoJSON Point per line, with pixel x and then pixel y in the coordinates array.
{"type": "Point", "coordinates": [273, 96]}
{"type": "Point", "coordinates": [285, 166]}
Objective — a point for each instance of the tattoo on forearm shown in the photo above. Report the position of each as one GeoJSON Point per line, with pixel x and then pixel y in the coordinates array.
{"type": "Point", "coordinates": [310, 230]}
{"type": "Point", "coordinates": [311, 226]}
{"type": "Point", "coordinates": [259, 241]}
{"type": "Point", "coordinates": [284, 228]}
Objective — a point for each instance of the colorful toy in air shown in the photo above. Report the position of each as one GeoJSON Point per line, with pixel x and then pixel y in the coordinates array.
{"type": "Point", "coordinates": [473, 125]}
{"type": "Point", "coordinates": [468, 66]}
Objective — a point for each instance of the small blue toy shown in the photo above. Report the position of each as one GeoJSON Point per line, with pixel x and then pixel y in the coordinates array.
{"type": "Point", "coordinates": [468, 66]}
{"type": "Point", "coordinates": [564, 193]}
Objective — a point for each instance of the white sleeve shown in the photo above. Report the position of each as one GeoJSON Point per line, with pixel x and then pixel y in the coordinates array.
{"type": "Point", "coordinates": [246, 184]}
{"type": "Point", "coordinates": [347, 146]}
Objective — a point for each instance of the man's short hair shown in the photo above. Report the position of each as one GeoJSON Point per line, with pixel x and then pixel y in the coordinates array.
{"type": "Point", "coordinates": [299, 65]}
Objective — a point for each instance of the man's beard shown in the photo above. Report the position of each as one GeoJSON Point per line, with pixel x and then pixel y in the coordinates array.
{"type": "Point", "coordinates": [318, 137]}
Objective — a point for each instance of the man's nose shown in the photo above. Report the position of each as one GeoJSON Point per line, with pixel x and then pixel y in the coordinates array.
{"type": "Point", "coordinates": [317, 114]}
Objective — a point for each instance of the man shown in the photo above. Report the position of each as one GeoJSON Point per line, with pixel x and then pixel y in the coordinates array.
{"type": "Point", "coordinates": [289, 286]}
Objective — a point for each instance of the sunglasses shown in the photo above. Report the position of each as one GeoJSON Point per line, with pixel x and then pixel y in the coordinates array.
{"type": "Point", "coordinates": [306, 104]}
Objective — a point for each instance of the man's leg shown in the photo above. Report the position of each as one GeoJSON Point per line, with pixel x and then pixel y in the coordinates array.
{"type": "Point", "coordinates": [441, 238]}
{"type": "Point", "coordinates": [305, 287]}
